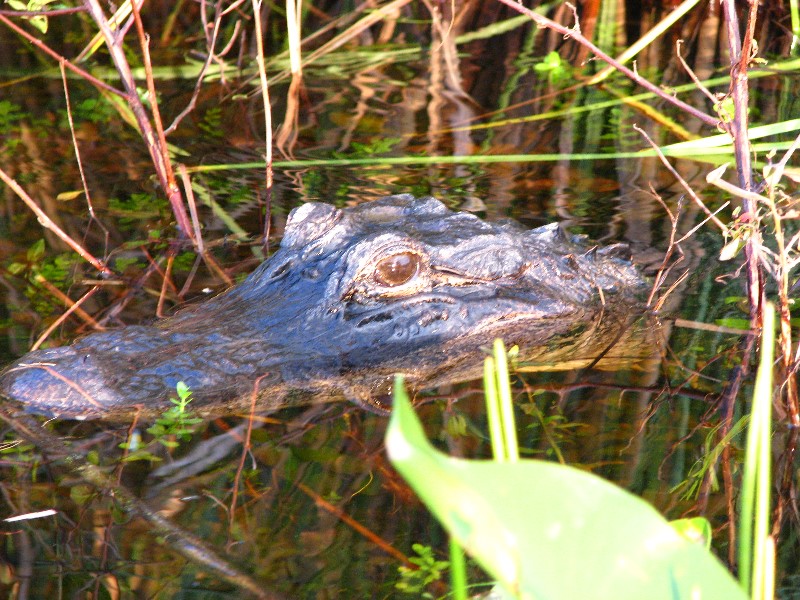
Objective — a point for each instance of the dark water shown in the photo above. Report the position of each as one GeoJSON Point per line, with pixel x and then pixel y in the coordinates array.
{"type": "Point", "coordinates": [646, 425]}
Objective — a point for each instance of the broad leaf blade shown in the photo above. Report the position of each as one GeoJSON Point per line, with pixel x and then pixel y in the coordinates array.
{"type": "Point", "coordinates": [547, 531]}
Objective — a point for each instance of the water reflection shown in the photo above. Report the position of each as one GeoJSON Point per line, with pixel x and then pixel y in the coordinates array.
{"type": "Point", "coordinates": [646, 421]}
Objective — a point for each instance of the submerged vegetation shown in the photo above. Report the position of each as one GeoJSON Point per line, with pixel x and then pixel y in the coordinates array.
{"type": "Point", "coordinates": [158, 148]}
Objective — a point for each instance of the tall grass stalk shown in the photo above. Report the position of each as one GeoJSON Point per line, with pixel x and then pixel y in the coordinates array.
{"type": "Point", "coordinates": [458, 571]}
{"type": "Point", "coordinates": [499, 407]}
{"type": "Point", "coordinates": [756, 547]}
{"type": "Point", "coordinates": [503, 436]}
{"type": "Point", "coordinates": [262, 73]}
{"type": "Point", "coordinates": [294, 20]}
{"type": "Point", "coordinates": [652, 34]}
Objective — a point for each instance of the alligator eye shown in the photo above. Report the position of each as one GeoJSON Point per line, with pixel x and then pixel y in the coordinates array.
{"type": "Point", "coordinates": [397, 269]}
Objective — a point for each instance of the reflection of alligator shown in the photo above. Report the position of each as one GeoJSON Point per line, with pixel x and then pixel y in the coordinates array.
{"type": "Point", "coordinates": [351, 297]}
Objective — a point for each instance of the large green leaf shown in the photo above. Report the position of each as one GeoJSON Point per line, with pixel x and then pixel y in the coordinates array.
{"type": "Point", "coordinates": [547, 531]}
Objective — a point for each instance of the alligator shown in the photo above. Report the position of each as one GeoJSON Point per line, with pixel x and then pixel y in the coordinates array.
{"type": "Point", "coordinates": [351, 297]}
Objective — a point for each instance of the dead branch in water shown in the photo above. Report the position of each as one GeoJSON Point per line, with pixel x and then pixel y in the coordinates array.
{"type": "Point", "coordinates": [179, 540]}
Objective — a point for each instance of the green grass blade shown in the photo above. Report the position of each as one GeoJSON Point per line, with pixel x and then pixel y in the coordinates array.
{"type": "Point", "coordinates": [458, 571]}
{"type": "Point", "coordinates": [755, 494]}
{"type": "Point", "coordinates": [493, 409]}
{"type": "Point", "coordinates": [503, 383]}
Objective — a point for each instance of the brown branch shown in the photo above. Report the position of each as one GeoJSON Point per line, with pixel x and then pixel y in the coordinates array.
{"type": "Point", "coordinates": [741, 148]}
{"type": "Point", "coordinates": [156, 145]}
{"type": "Point", "coordinates": [73, 307]}
{"type": "Point", "coordinates": [43, 13]}
{"type": "Point", "coordinates": [48, 223]}
{"type": "Point", "coordinates": [179, 540]}
{"type": "Point", "coordinates": [56, 56]}
{"type": "Point", "coordinates": [358, 527]}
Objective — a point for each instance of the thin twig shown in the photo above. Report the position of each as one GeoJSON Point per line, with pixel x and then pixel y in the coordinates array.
{"type": "Point", "coordinates": [711, 216]}
{"type": "Point", "coordinates": [59, 58]}
{"type": "Point", "coordinates": [48, 223]}
{"type": "Point", "coordinates": [632, 75]}
{"type": "Point", "coordinates": [262, 73]}
{"type": "Point", "coordinates": [74, 307]}
{"type": "Point", "coordinates": [154, 140]}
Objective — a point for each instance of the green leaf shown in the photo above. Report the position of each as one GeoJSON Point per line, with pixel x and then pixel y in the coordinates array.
{"type": "Point", "coordinates": [16, 268]}
{"type": "Point", "coordinates": [545, 530]}
{"type": "Point", "coordinates": [36, 251]}
{"type": "Point", "coordinates": [696, 529]}
{"type": "Point", "coordinates": [731, 249]}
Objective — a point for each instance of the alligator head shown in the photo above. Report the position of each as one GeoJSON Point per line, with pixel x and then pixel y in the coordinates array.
{"type": "Point", "coordinates": [352, 296]}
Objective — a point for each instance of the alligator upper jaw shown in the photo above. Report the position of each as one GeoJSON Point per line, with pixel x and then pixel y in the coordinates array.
{"type": "Point", "coordinates": [53, 382]}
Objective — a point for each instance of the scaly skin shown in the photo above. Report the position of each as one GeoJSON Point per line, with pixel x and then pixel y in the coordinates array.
{"type": "Point", "coordinates": [351, 297]}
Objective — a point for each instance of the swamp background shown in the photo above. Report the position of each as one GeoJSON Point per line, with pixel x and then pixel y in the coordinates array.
{"type": "Point", "coordinates": [467, 101]}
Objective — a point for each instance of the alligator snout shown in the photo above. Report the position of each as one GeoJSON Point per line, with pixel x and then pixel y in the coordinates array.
{"type": "Point", "coordinates": [56, 380]}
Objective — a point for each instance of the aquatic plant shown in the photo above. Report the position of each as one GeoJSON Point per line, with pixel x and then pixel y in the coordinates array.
{"type": "Point", "coordinates": [529, 522]}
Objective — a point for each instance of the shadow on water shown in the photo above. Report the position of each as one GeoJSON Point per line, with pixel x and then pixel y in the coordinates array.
{"type": "Point", "coordinates": [303, 500]}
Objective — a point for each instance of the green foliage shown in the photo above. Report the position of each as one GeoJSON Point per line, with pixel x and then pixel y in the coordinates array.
{"type": "Point", "coordinates": [176, 425]}
{"type": "Point", "coordinates": [695, 529]}
{"type": "Point", "coordinates": [554, 68]}
{"type": "Point", "coordinates": [39, 269]}
{"type": "Point", "coordinates": [378, 146]}
{"type": "Point", "coordinates": [10, 114]}
{"type": "Point", "coordinates": [555, 428]}
{"type": "Point", "coordinates": [724, 109]}
{"type": "Point", "coordinates": [17, 450]}
{"type": "Point", "coordinates": [40, 22]}
{"type": "Point", "coordinates": [709, 459]}
{"type": "Point", "coordinates": [529, 522]}
{"type": "Point", "coordinates": [211, 124]}
{"type": "Point", "coordinates": [414, 581]}
{"type": "Point", "coordinates": [177, 422]}
{"type": "Point", "coordinates": [137, 206]}
{"type": "Point", "coordinates": [756, 549]}
{"type": "Point", "coordinates": [93, 110]}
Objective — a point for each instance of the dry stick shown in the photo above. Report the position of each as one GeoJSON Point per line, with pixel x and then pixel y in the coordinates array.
{"type": "Point", "coordinates": [165, 282]}
{"type": "Point", "coordinates": [196, 92]}
{"type": "Point", "coordinates": [179, 540]}
{"type": "Point", "coordinates": [367, 533]}
{"type": "Point", "coordinates": [68, 302]}
{"type": "Point", "coordinates": [75, 141]}
{"type": "Point", "coordinates": [632, 75]}
{"type": "Point", "coordinates": [666, 266]}
{"type": "Point", "coordinates": [172, 189]}
{"type": "Point", "coordinates": [187, 189]}
{"type": "Point", "coordinates": [47, 223]}
{"type": "Point", "coordinates": [695, 79]}
{"type": "Point", "coordinates": [777, 170]}
{"type": "Point", "coordinates": [246, 445]}
{"type": "Point", "coordinates": [43, 13]}
{"type": "Point", "coordinates": [711, 216]}
{"type": "Point", "coordinates": [156, 145]}
{"type": "Point", "coordinates": [738, 130]}
{"type": "Point", "coordinates": [78, 160]}
{"type": "Point", "coordinates": [74, 307]}
{"type": "Point", "coordinates": [262, 73]}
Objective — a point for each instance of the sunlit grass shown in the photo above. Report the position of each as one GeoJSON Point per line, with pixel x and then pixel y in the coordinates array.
{"type": "Point", "coordinates": [756, 547]}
